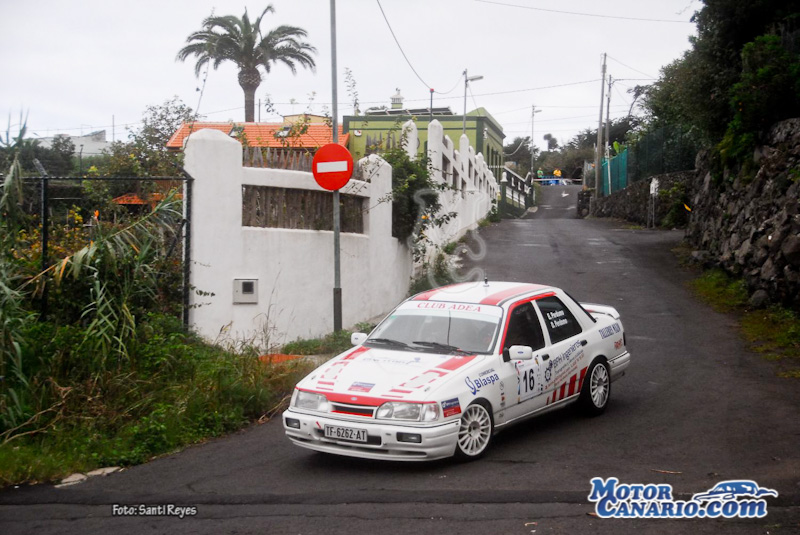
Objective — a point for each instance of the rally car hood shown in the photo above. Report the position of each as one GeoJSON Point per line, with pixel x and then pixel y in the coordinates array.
{"type": "Point", "coordinates": [365, 374]}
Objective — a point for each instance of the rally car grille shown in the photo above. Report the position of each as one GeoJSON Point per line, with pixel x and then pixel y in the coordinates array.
{"type": "Point", "coordinates": [357, 410]}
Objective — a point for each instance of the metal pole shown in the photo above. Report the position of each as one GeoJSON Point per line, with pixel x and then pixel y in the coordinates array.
{"type": "Point", "coordinates": [430, 115]}
{"type": "Point", "coordinates": [45, 232]}
{"type": "Point", "coordinates": [187, 248]}
{"type": "Point", "coordinates": [597, 167]}
{"type": "Point", "coordinates": [608, 134]}
{"type": "Point", "coordinates": [464, 117]}
{"type": "Point", "coordinates": [45, 224]}
{"type": "Point", "coordinates": [533, 112]}
{"type": "Point", "coordinates": [337, 275]}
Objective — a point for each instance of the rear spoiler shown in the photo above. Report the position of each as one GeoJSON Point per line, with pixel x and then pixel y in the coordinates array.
{"type": "Point", "coordinates": [595, 309]}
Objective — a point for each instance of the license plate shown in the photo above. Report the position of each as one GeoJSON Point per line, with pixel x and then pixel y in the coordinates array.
{"type": "Point", "coordinates": [345, 433]}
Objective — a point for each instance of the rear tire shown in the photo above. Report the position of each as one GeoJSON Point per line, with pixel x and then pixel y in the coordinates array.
{"type": "Point", "coordinates": [596, 391]}
{"type": "Point", "coordinates": [474, 432]}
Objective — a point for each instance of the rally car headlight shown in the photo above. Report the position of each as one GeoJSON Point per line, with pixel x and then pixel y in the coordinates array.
{"type": "Point", "coordinates": [310, 401]}
{"type": "Point", "coordinates": [415, 412]}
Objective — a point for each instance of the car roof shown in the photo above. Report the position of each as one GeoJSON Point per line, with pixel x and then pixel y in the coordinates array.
{"type": "Point", "coordinates": [483, 293]}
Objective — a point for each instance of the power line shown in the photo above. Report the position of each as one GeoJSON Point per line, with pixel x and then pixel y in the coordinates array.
{"type": "Point", "coordinates": [534, 88]}
{"type": "Point", "coordinates": [555, 119]}
{"type": "Point", "coordinates": [400, 47]}
{"type": "Point", "coordinates": [584, 14]}
{"type": "Point", "coordinates": [458, 83]}
{"type": "Point", "coordinates": [624, 99]}
{"type": "Point", "coordinates": [631, 68]}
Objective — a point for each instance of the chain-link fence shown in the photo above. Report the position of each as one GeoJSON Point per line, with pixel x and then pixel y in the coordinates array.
{"type": "Point", "coordinates": [666, 150]}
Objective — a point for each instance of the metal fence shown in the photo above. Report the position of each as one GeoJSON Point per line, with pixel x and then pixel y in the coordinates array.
{"type": "Point", "coordinates": [666, 150]}
{"type": "Point", "coordinates": [614, 174]}
{"type": "Point", "coordinates": [52, 199]}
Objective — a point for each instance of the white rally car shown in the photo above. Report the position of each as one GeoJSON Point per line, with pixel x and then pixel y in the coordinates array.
{"type": "Point", "coordinates": [450, 367]}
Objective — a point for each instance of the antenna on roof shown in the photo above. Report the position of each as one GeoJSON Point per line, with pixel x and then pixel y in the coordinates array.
{"type": "Point", "coordinates": [485, 279]}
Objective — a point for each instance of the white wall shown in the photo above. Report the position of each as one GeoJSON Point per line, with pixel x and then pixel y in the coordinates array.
{"type": "Point", "coordinates": [294, 268]}
{"type": "Point", "coordinates": [475, 184]}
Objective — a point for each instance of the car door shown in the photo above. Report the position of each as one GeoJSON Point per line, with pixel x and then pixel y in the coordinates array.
{"type": "Point", "coordinates": [524, 394]}
{"type": "Point", "coordinates": [563, 360]}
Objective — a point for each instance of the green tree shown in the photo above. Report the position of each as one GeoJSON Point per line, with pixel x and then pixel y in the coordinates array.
{"type": "Point", "coordinates": [552, 142]}
{"type": "Point", "coordinates": [230, 38]}
{"type": "Point", "coordinates": [696, 89]}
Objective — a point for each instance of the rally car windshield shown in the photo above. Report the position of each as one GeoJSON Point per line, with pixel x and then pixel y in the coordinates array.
{"type": "Point", "coordinates": [439, 328]}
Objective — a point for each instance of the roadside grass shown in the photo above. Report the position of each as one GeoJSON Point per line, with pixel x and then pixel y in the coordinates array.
{"type": "Point", "coordinates": [182, 391]}
{"type": "Point", "coordinates": [329, 345]}
{"type": "Point", "coordinates": [723, 292]}
{"type": "Point", "coordinates": [773, 332]}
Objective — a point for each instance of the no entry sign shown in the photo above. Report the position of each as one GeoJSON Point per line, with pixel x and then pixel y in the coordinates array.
{"type": "Point", "coordinates": [332, 166]}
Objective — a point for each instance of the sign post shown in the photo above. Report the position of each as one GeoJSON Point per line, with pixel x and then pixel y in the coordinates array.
{"type": "Point", "coordinates": [332, 168]}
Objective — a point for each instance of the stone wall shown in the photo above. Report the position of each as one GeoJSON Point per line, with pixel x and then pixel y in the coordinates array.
{"type": "Point", "coordinates": [749, 227]}
{"type": "Point", "coordinates": [632, 202]}
{"type": "Point", "coordinates": [752, 227]}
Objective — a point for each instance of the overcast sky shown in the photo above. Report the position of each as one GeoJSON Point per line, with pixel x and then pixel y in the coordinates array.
{"type": "Point", "coordinates": [72, 66]}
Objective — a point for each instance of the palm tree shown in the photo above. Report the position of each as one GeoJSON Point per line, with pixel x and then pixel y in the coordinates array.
{"type": "Point", "coordinates": [230, 38]}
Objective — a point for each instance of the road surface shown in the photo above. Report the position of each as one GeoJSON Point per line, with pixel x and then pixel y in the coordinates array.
{"type": "Point", "coordinates": [695, 408]}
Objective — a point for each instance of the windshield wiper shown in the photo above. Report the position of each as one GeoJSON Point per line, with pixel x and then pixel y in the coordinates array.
{"type": "Point", "coordinates": [445, 347]}
{"type": "Point", "coordinates": [388, 341]}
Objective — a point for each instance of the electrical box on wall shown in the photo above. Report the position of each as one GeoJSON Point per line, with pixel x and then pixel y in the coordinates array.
{"type": "Point", "coordinates": [245, 291]}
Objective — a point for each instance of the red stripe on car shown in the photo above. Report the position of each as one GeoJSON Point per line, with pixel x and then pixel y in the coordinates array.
{"type": "Point", "coordinates": [356, 352]}
{"type": "Point", "coordinates": [426, 296]}
{"type": "Point", "coordinates": [511, 292]}
{"type": "Point", "coordinates": [572, 381]}
{"type": "Point", "coordinates": [580, 381]}
{"type": "Point", "coordinates": [455, 363]}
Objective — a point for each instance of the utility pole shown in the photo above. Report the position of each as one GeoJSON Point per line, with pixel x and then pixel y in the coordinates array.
{"type": "Point", "coordinates": [608, 133]}
{"type": "Point", "coordinates": [534, 111]}
{"type": "Point", "coordinates": [467, 80]}
{"type": "Point", "coordinates": [597, 167]}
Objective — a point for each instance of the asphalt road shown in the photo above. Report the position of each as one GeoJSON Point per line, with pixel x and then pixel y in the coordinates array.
{"type": "Point", "coordinates": [694, 403]}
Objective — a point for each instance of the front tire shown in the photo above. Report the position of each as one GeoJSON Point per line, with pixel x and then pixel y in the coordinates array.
{"type": "Point", "coordinates": [596, 391]}
{"type": "Point", "coordinates": [474, 432]}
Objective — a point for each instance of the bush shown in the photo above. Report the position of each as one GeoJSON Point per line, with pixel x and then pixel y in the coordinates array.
{"type": "Point", "coordinates": [768, 91]}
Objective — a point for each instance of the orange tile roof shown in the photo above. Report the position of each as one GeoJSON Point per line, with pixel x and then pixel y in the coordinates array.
{"type": "Point", "coordinates": [263, 135]}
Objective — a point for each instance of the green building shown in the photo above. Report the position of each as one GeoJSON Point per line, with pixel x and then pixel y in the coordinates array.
{"type": "Point", "coordinates": [380, 128]}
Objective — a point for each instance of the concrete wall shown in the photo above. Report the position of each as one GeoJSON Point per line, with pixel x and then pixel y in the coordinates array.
{"type": "Point", "coordinates": [294, 268]}
{"type": "Point", "coordinates": [475, 185]}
